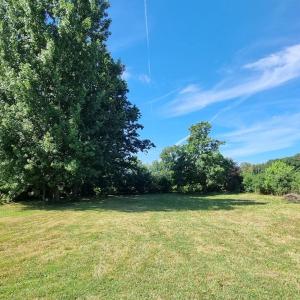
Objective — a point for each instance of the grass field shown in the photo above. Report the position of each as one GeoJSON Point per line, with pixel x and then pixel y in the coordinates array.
{"type": "Point", "coordinates": [238, 246]}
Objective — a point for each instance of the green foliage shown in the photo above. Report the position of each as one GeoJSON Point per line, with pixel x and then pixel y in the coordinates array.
{"type": "Point", "coordinates": [67, 127]}
{"type": "Point", "coordinates": [293, 161]}
{"type": "Point", "coordinates": [296, 183]}
{"type": "Point", "coordinates": [198, 166]}
{"type": "Point", "coordinates": [232, 179]}
{"type": "Point", "coordinates": [252, 178]}
{"type": "Point", "coordinates": [3, 199]}
{"type": "Point", "coordinates": [139, 179]}
{"type": "Point", "coordinates": [161, 177]}
{"type": "Point", "coordinates": [65, 121]}
{"type": "Point", "coordinates": [277, 178]}
{"type": "Point", "coordinates": [134, 180]}
{"type": "Point", "coordinates": [251, 182]}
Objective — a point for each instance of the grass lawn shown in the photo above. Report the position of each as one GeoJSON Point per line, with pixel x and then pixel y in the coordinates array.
{"type": "Point", "coordinates": [238, 246]}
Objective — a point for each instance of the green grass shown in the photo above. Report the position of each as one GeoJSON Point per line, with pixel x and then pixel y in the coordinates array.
{"type": "Point", "coordinates": [239, 246]}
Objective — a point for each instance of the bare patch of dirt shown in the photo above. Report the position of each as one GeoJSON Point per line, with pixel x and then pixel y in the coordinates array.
{"type": "Point", "coordinates": [295, 198]}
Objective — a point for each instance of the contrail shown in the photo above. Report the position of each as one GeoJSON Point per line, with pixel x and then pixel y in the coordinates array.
{"type": "Point", "coordinates": [182, 141]}
{"type": "Point", "coordinates": [147, 36]}
{"type": "Point", "coordinates": [226, 108]}
{"type": "Point", "coordinates": [229, 107]}
{"type": "Point", "coordinates": [164, 96]}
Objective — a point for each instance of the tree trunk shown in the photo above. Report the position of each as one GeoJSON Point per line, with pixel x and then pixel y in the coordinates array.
{"type": "Point", "coordinates": [55, 195]}
{"type": "Point", "coordinates": [44, 192]}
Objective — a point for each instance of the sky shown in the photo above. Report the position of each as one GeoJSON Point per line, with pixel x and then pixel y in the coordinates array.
{"type": "Point", "coordinates": [233, 63]}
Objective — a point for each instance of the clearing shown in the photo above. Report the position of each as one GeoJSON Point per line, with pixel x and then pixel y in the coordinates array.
{"type": "Point", "coordinates": [234, 246]}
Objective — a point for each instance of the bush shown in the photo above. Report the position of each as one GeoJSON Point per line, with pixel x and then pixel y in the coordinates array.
{"type": "Point", "coordinates": [278, 178]}
{"type": "Point", "coordinates": [4, 199]}
{"type": "Point", "coordinates": [232, 181]}
{"type": "Point", "coordinates": [191, 188]}
{"type": "Point", "coordinates": [160, 184]}
{"type": "Point", "coordinates": [253, 183]}
{"type": "Point", "coordinates": [296, 183]}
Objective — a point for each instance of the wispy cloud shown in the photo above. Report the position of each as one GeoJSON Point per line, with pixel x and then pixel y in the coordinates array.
{"type": "Point", "coordinates": [228, 107]}
{"type": "Point", "coordinates": [264, 74]}
{"type": "Point", "coordinates": [279, 132]}
{"type": "Point", "coordinates": [132, 76]}
{"type": "Point", "coordinates": [154, 100]}
{"type": "Point", "coordinates": [191, 88]}
{"type": "Point", "coordinates": [126, 75]}
{"type": "Point", "coordinates": [144, 78]}
{"type": "Point", "coordinates": [182, 141]}
{"type": "Point", "coordinates": [215, 116]}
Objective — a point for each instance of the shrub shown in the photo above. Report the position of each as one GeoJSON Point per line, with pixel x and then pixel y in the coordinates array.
{"type": "Point", "coordinates": [160, 183]}
{"type": "Point", "coordinates": [4, 199]}
{"type": "Point", "coordinates": [296, 183]}
{"type": "Point", "coordinates": [191, 188]}
{"type": "Point", "coordinates": [253, 182]}
{"type": "Point", "coordinates": [279, 178]}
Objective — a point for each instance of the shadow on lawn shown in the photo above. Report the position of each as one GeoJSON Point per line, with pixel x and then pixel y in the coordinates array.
{"type": "Point", "coordinates": [144, 203]}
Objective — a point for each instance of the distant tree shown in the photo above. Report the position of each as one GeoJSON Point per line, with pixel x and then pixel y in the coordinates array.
{"type": "Point", "coordinates": [176, 161]}
{"type": "Point", "coordinates": [135, 179]}
{"type": "Point", "coordinates": [232, 180]}
{"type": "Point", "coordinates": [204, 155]}
{"type": "Point", "coordinates": [65, 121]}
{"type": "Point", "coordinates": [198, 165]}
{"type": "Point", "coordinates": [161, 177]}
{"type": "Point", "coordinates": [293, 161]}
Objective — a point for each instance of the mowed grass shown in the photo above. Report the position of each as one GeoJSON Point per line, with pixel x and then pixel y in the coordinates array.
{"type": "Point", "coordinates": [237, 246]}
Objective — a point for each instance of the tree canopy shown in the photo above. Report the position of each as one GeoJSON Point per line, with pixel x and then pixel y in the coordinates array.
{"type": "Point", "coordinates": [65, 120]}
{"type": "Point", "coordinates": [198, 165]}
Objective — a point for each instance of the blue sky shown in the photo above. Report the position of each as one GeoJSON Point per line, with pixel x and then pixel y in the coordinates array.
{"type": "Point", "coordinates": [234, 63]}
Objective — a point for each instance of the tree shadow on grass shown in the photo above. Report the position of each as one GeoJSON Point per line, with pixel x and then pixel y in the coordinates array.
{"type": "Point", "coordinates": [146, 203]}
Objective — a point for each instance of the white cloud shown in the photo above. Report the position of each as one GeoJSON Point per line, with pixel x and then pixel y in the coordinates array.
{"type": "Point", "coordinates": [129, 75]}
{"type": "Point", "coordinates": [264, 74]}
{"type": "Point", "coordinates": [145, 78]}
{"type": "Point", "coordinates": [191, 88]}
{"type": "Point", "coordinates": [126, 75]}
{"type": "Point", "coordinates": [279, 132]}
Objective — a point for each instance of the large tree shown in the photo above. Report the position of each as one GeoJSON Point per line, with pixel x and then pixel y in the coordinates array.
{"type": "Point", "coordinates": [198, 165]}
{"type": "Point", "coordinates": [65, 120]}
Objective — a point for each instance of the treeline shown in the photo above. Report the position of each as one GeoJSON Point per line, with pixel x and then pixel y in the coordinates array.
{"type": "Point", "coordinates": [67, 128]}
{"type": "Point", "coordinates": [194, 167]}
{"type": "Point", "coordinates": [276, 177]}
{"type": "Point", "coordinates": [197, 166]}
